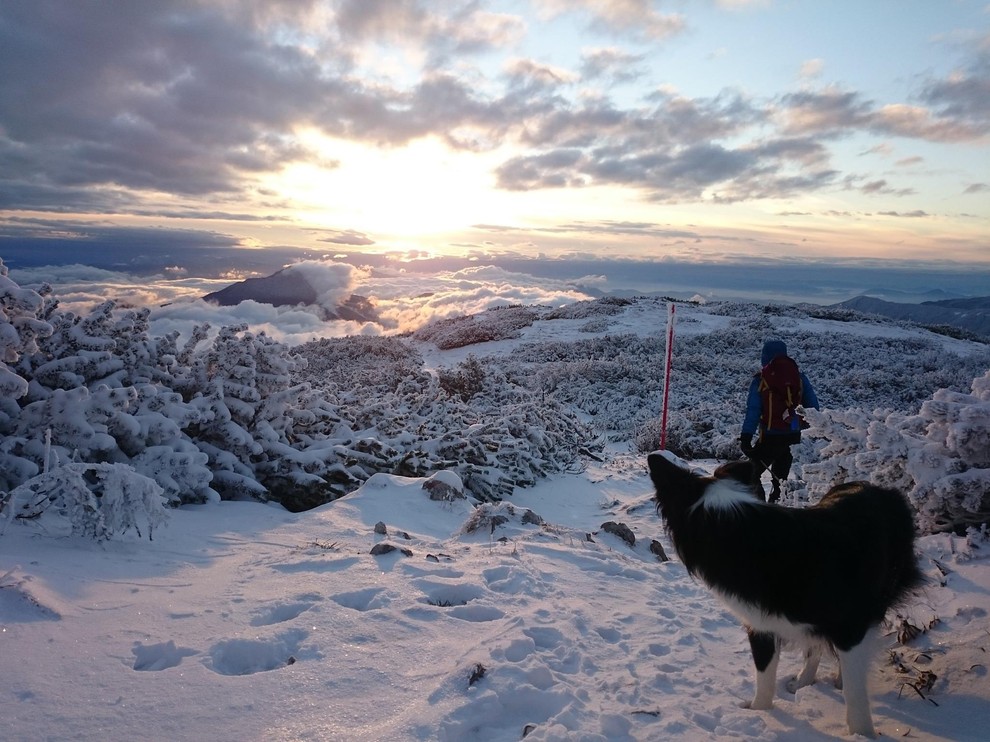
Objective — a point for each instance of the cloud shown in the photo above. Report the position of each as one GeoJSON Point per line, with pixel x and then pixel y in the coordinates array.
{"type": "Point", "coordinates": [774, 168]}
{"type": "Point", "coordinates": [79, 288]}
{"type": "Point", "coordinates": [442, 27]}
{"type": "Point", "coordinates": [611, 64]}
{"type": "Point", "coordinates": [196, 102]}
{"type": "Point", "coordinates": [828, 111]}
{"type": "Point", "coordinates": [742, 4]}
{"type": "Point", "coordinates": [346, 237]}
{"type": "Point", "coordinates": [671, 151]}
{"type": "Point", "coordinates": [633, 17]}
{"type": "Point", "coordinates": [964, 95]}
{"type": "Point", "coordinates": [403, 299]}
{"type": "Point", "coordinates": [811, 69]}
{"type": "Point", "coordinates": [408, 301]}
{"type": "Point", "coordinates": [836, 112]}
{"type": "Point", "coordinates": [527, 72]}
{"type": "Point", "coordinates": [333, 282]}
{"type": "Point", "coordinates": [916, 122]}
{"type": "Point", "coordinates": [288, 325]}
{"type": "Point", "coordinates": [916, 214]}
{"type": "Point", "coordinates": [884, 149]}
{"type": "Point", "coordinates": [199, 102]}
{"type": "Point", "coordinates": [876, 187]}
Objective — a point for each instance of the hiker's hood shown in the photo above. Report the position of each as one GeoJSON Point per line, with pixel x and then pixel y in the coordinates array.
{"type": "Point", "coordinates": [772, 349]}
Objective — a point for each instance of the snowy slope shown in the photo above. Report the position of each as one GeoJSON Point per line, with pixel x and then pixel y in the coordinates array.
{"type": "Point", "coordinates": [242, 621]}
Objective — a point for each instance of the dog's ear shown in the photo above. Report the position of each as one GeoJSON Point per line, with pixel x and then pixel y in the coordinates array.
{"type": "Point", "coordinates": [668, 477]}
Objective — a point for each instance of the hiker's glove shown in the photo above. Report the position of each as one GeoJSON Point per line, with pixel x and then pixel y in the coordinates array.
{"type": "Point", "coordinates": [746, 443]}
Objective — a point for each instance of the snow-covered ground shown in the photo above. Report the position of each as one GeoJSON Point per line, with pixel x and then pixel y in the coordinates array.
{"type": "Point", "coordinates": [242, 621]}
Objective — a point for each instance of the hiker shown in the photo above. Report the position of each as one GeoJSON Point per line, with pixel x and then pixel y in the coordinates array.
{"type": "Point", "coordinates": [776, 390]}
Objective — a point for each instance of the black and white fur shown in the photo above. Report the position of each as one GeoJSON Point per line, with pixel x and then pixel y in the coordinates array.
{"type": "Point", "coordinates": [823, 576]}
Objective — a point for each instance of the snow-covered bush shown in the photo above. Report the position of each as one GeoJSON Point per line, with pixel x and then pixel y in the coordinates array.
{"type": "Point", "coordinates": [99, 501]}
{"type": "Point", "coordinates": [497, 323]}
{"type": "Point", "coordinates": [249, 410]}
{"type": "Point", "coordinates": [940, 456]}
{"type": "Point", "coordinates": [473, 419]}
{"type": "Point", "coordinates": [238, 415]}
{"type": "Point", "coordinates": [22, 324]}
{"type": "Point", "coordinates": [616, 379]}
{"type": "Point", "coordinates": [464, 381]}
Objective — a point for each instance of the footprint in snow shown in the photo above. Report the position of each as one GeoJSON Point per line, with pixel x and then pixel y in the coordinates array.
{"type": "Point", "coordinates": [153, 657]}
{"type": "Point", "coordinates": [368, 599]}
{"type": "Point", "coordinates": [249, 656]}
{"type": "Point", "coordinates": [280, 613]}
{"type": "Point", "coordinates": [447, 594]}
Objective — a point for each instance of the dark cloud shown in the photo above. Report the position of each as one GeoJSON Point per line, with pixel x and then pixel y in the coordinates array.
{"type": "Point", "coordinates": [959, 111]}
{"type": "Point", "coordinates": [173, 99]}
{"type": "Point", "coordinates": [611, 65]}
{"type": "Point", "coordinates": [875, 187]}
{"type": "Point", "coordinates": [916, 214]}
{"type": "Point", "coordinates": [964, 97]}
{"type": "Point", "coordinates": [678, 173]}
{"type": "Point", "coordinates": [827, 112]}
{"type": "Point", "coordinates": [178, 98]}
{"type": "Point", "coordinates": [346, 237]}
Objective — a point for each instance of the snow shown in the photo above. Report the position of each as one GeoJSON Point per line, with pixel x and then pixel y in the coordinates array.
{"type": "Point", "coordinates": [471, 621]}
{"type": "Point", "coordinates": [243, 621]}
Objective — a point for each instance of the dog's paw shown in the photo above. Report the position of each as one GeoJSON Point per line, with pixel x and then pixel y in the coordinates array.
{"type": "Point", "coordinates": [795, 684]}
{"type": "Point", "coordinates": [757, 705]}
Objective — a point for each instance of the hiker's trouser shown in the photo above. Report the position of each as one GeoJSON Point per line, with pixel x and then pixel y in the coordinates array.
{"type": "Point", "coordinates": [773, 452]}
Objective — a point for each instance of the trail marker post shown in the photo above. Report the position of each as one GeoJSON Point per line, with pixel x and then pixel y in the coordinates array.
{"type": "Point", "coordinates": [668, 357]}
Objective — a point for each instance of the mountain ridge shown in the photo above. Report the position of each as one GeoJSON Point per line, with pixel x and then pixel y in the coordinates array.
{"type": "Point", "coordinates": [970, 314]}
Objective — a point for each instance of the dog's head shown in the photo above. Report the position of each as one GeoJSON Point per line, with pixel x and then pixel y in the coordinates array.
{"type": "Point", "coordinates": [677, 487]}
{"type": "Point", "coordinates": [679, 491]}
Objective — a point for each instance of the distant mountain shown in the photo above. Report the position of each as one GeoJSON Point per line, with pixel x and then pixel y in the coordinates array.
{"type": "Point", "coordinates": [911, 297]}
{"type": "Point", "coordinates": [291, 288]}
{"type": "Point", "coordinates": [972, 314]}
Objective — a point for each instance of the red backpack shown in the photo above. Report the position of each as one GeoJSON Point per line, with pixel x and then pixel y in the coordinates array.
{"type": "Point", "coordinates": [780, 391]}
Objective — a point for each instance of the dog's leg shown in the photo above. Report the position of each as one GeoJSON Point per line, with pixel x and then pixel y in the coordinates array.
{"type": "Point", "coordinates": [812, 656]}
{"type": "Point", "coordinates": [854, 665]}
{"type": "Point", "coordinates": [766, 656]}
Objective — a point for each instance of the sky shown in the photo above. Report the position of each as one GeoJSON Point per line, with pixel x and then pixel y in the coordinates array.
{"type": "Point", "coordinates": [707, 132]}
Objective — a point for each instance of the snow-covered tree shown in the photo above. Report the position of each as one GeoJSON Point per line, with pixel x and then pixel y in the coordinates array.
{"type": "Point", "coordinates": [940, 456]}
{"type": "Point", "coordinates": [99, 501]}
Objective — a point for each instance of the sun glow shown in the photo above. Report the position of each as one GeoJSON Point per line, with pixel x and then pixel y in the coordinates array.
{"type": "Point", "coordinates": [419, 189]}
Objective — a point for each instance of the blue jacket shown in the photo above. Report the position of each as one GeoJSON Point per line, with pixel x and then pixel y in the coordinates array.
{"type": "Point", "coordinates": [754, 400]}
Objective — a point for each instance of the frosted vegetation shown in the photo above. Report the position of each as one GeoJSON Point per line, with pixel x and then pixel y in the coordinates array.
{"type": "Point", "coordinates": [93, 404]}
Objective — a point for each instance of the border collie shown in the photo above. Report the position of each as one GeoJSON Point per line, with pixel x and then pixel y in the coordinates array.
{"type": "Point", "coordinates": [822, 576]}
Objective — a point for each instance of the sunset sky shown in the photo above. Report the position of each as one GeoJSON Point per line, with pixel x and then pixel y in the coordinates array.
{"type": "Point", "coordinates": [708, 130]}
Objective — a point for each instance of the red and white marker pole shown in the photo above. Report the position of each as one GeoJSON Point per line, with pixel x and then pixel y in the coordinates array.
{"type": "Point", "coordinates": [668, 357]}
